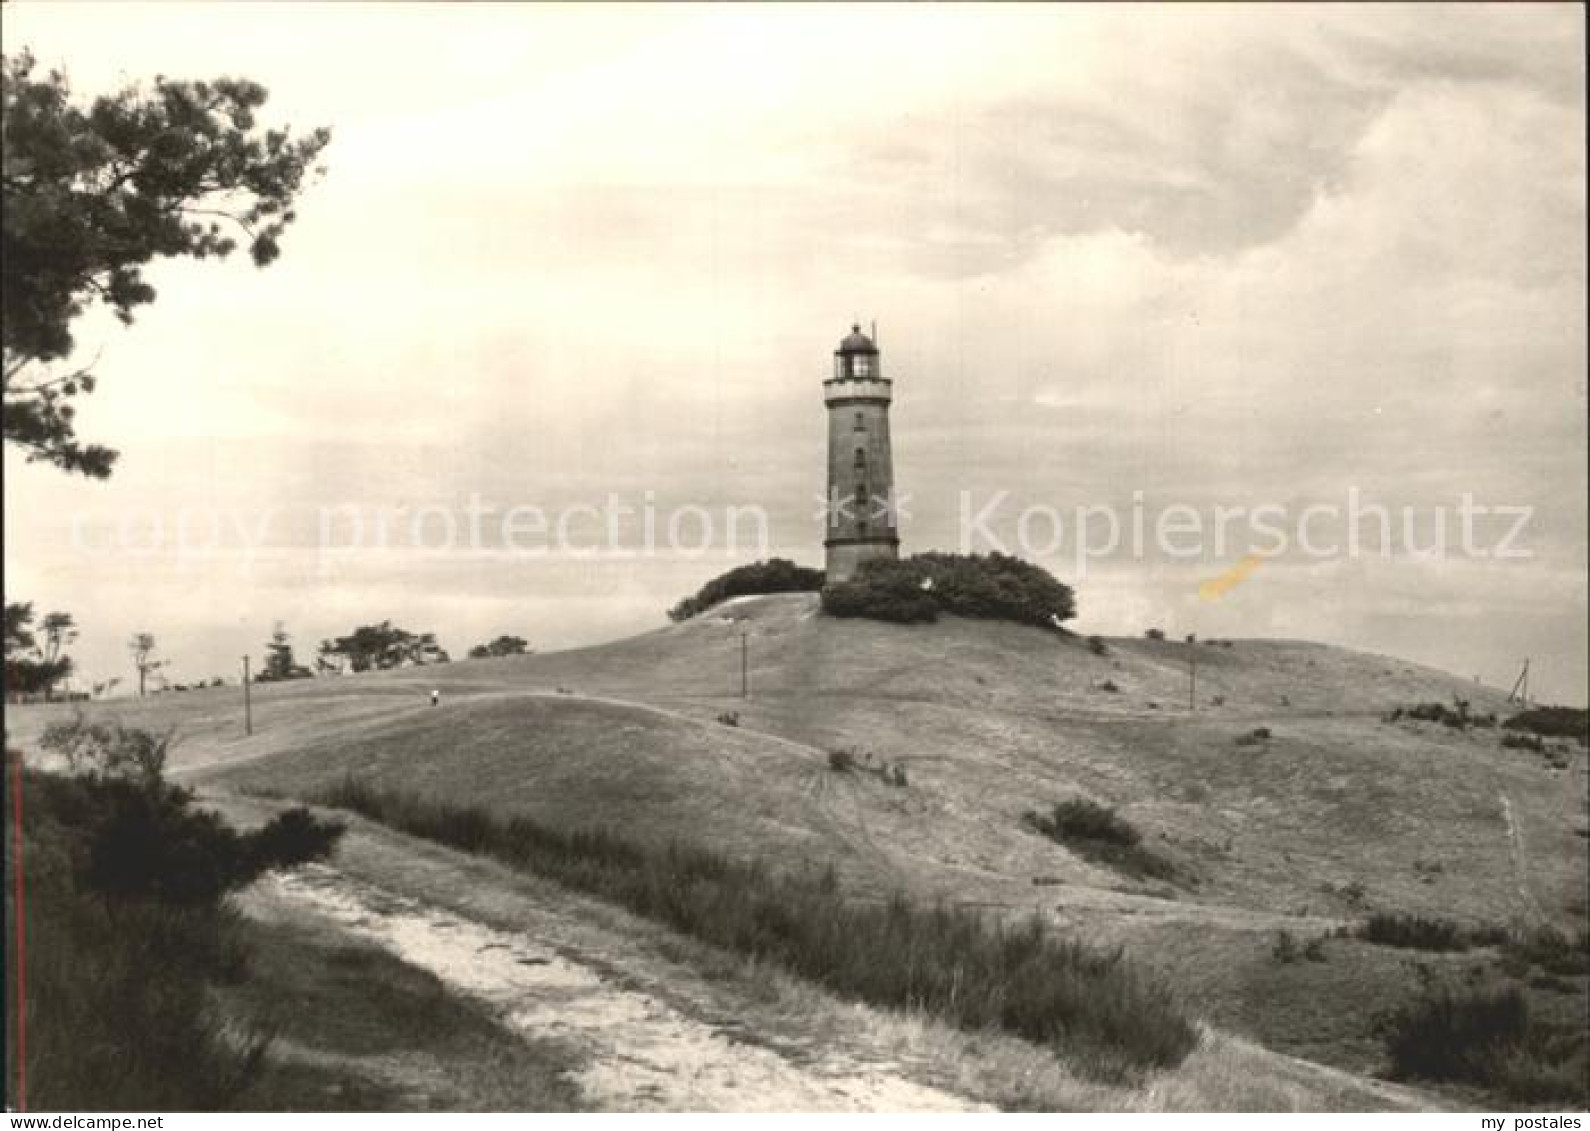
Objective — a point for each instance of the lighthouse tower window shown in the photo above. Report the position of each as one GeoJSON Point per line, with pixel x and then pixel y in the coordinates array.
{"type": "Point", "coordinates": [861, 366]}
{"type": "Point", "coordinates": [861, 459]}
{"type": "Point", "coordinates": [861, 425]}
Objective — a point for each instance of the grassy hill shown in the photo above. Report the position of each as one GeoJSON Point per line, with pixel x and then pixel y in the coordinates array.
{"type": "Point", "coordinates": [1337, 813]}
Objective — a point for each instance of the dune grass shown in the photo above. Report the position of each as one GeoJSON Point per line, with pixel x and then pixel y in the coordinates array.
{"type": "Point", "coordinates": [1551, 950]}
{"type": "Point", "coordinates": [1544, 946]}
{"type": "Point", "coordinates": [1105, 1016]}
{"type": "Point", "coordinates": [129, 928]}
{"type": "Point", "coordinates": [118, 1007]}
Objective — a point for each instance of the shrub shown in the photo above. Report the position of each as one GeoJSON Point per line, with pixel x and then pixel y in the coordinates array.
{"type": "Point", "coordinates": [947, 961]}
{"type": "Point", "coordinates": [1285, 950]}
{"type": "Point", "coordinates": [998, 587]}
{"type": "Point", "coordinates": [1097, 834]}
{"type": "Point", "coordinates": [1456, 716]}
{"type": "Point", "coordinates": [1522, 740]}
{"type": "Point", "coordinates": [1082, 819]}
{"type": "Point", "coordinates": [1553, 722]}
{"type": "Point", "coordinates": [844, 761]}
{"type": "Point", "coordinates": [1488, 934]}
{"type": "Point", "coordinates": [729, 718]}
{"type": "Point", "coordinates": [293, 837]}
{"type": "Point", "coordinates": [1544, 946]}
{"type": "Point", "coordinates": [1551, 950]}
{"type": "Point", "coordinates": [1456, 1035]}
{"type": "Point", "coordinates": [108, 750]}
{"type": "Point", "coordinates": [916, 590]}
{"type": "Point", "coordinates": [1097, 646]}
{"type": "Point", "coordinates": [129, 929]}
{"type": "Point", "coordinates": [1255, 737]}
{"type": "Point", "coordinates": [1428, 870]}
{"type": "Point", "coordinates": [882, 590]}
{"type": "Point", "coordinates": [147, 843]}
{"type": "Point", "coordinates": [119, 997]}
{"type": "Point", "coordinates": [776, 575]}
{"type": "Point", "coordinates": [1486, 1036]}
{"type": "Point", "coordinates": [1551, 982]}
{"type": "Point", "coordinates": [1109, 685]}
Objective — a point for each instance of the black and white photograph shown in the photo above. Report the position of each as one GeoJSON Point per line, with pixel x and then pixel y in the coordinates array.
{"type": "Point", "coordinates": [760, 558]}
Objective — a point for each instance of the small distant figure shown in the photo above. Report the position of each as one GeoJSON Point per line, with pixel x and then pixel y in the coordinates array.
{"type": "Point", "coordinates": [436, 698]}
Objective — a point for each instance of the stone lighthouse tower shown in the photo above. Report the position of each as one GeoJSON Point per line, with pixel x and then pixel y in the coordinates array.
{"type": "Point", "coordinates": [861, 522]}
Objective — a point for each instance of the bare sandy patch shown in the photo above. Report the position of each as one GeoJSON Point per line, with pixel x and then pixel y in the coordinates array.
{"type": "Point", "coordinates": [639, 1053]}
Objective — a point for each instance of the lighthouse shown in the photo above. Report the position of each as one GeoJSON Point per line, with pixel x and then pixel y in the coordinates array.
{"type": "Point", "coordinates": [861, 513]}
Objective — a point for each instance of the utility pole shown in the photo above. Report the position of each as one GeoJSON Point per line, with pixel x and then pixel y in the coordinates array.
{"type": "Point", "coordinates": [745, 666]}
{"type": "Point", "coordinates": [248, 706]}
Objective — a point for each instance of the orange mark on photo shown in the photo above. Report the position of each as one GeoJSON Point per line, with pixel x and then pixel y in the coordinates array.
{"type": "Point", "coordinates": [1217, 587]}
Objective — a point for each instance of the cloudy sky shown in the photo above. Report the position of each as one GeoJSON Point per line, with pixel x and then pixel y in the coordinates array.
{"type": "Point", "coordinates": [1197, 256]}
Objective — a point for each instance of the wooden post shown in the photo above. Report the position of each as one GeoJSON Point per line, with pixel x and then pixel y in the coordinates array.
{"type": "Point", "coordinates": [248, 705]}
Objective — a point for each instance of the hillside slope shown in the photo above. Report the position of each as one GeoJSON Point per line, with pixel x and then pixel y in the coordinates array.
{"type": "Point", "coordinates": [1337, 813]}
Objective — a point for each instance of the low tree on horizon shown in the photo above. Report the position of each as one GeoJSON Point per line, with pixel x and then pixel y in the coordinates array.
{"type": "Point", "coordinates": [36, 661]}
{"type": "Point", "coordinates": [379, 647]}
{"type": "Point", "coordinates": [142, 647]}
{"type": "Point", "coordinates": [280, 663]}
{"type": "Point", "coordinates": [59, 631]}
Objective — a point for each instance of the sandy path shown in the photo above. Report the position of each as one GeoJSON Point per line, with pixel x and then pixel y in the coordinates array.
{"type": "Point", "coordinates": [638, 1053]}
